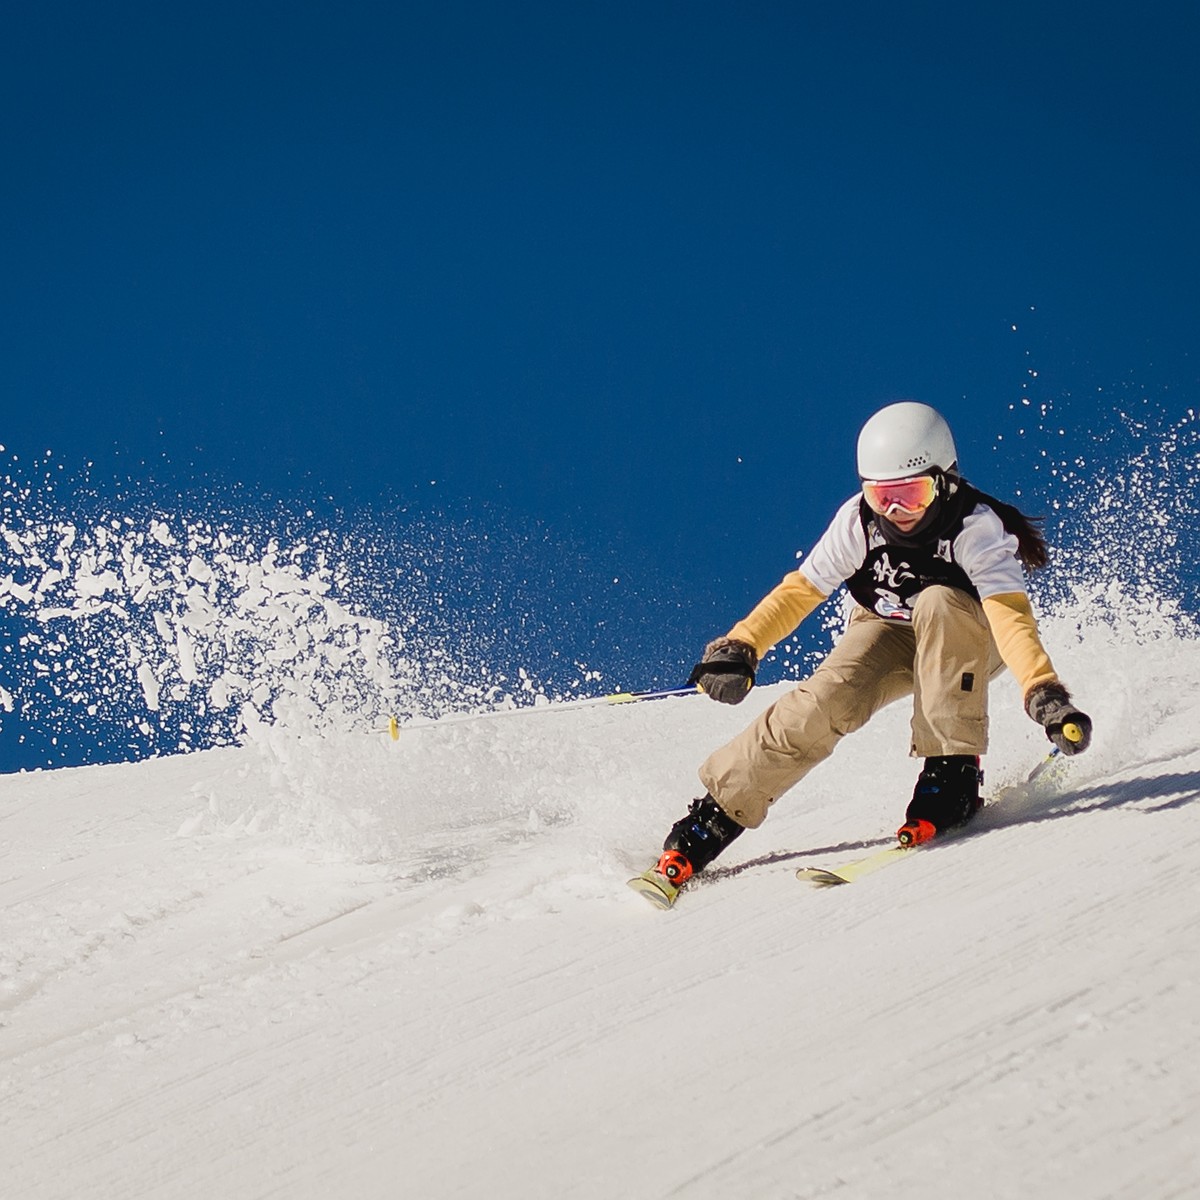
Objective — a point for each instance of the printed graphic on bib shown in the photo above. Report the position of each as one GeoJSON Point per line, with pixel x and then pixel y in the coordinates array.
{"type": "Point", "coordinates": [892, 577]}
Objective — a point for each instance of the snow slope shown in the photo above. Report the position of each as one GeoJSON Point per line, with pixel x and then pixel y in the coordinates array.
{"type": "Point", "coordinates": [320, 966]}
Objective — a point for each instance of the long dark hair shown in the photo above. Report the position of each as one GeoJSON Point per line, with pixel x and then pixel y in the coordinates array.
{"type": "Point", "coordinates": [1031, 542]}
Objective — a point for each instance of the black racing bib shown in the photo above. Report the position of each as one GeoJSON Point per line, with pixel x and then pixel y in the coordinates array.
{"type": "Point", "coordinates": [893, 576]}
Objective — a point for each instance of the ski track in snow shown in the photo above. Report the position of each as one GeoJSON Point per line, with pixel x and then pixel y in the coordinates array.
{"type": "Point", "coordinates": [315, 967]}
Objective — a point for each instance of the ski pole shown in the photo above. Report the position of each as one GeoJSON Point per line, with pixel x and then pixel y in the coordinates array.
{"type": "Point", "coordinates": [393, 726]}
{"type": "Point", "coordinates": [1072, 733]}
{"type": "Point", "coordinates": [632, 697]}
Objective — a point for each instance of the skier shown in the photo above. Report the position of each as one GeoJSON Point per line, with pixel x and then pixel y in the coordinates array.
{"type": "Point", "coordinates": [938, 605]}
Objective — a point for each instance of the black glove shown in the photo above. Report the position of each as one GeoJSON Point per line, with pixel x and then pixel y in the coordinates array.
{"type": "Point", "coordinates": [1049, 704]}
{"type": "Point", "coordinates": [727, 671]}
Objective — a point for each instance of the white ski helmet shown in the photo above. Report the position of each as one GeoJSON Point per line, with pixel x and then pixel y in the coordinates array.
{"type": "Point", "coordinates": [905, 439]}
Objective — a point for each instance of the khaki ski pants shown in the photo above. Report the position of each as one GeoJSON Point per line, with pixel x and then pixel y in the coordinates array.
{"type": "Point", "coordinates": [943, 658]}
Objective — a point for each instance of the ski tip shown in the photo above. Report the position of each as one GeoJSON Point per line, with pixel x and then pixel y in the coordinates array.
{"type": "Point", "coordinates": [820, 876]}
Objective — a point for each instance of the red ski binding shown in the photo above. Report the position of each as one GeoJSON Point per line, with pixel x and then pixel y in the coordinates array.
{"type": "Point", "coordinates": [916, 833]}
{"type": "Point", "coordinates": [675, 867]}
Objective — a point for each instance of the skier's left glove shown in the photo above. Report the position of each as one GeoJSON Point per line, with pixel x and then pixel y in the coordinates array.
{"type": "Point", "coordinates": [1050, 705]}
{"type": "Point", "coordinates": [726, 672]}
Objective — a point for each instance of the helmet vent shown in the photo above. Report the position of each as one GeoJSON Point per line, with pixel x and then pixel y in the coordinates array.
{"type": "Point", "coordinates": [917, 460]}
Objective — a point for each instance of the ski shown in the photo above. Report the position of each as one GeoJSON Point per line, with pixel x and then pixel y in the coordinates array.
{"type": "Point", "coordinates": [912, 837]}
{"type": "Point", "coordinates": [855, 869]}
{"type": "Point", "coordinates": [848, 872]}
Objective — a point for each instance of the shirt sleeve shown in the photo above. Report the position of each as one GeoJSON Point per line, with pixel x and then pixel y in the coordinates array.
{"type": "Point", "coordinates": [839, 552]}
{"type": "Point", "coordinates": [988, 554]}
{"type": "Point", "coordinates": [834, 558]}
{"type": "Point", "coordinates": [778, 612]}
{"type": "Point", "coordinates": [1016, 633]}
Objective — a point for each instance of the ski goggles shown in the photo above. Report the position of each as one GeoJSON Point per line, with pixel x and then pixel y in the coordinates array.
{"type": "Point", "coordinates": [912, 495]}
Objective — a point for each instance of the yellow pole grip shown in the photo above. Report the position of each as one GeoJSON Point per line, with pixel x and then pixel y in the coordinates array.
{"type": "Point", "coordinates": [1072, 732]}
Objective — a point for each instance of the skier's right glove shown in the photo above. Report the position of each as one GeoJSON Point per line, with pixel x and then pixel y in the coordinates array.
{"type": "Point", "coordinates": [726, 672]}
{"type": "Point", "coordinates": [1050, 705]}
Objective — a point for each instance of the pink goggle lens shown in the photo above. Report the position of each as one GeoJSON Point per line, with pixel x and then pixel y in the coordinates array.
{"type": "Point", "coordinates": [912, 495]}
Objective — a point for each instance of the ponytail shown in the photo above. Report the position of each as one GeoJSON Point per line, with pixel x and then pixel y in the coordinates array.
{"type": "Point", "coordinates": [1031, 542]}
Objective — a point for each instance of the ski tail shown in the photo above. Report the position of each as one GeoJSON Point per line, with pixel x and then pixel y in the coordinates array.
{"type": "Point", "coordinates": [656, 888]}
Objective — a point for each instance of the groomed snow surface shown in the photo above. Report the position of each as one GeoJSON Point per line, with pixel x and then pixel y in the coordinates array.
{"type": "Point", "coordinates": [326, 966]}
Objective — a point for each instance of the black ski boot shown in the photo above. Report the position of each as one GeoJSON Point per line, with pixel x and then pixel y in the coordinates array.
{"type": "Point", "coordinates": [695, 840]}
{"type": "Point", "coordinates": [946, 795]}
{"type": "Point", "coordinates": [691, 845]}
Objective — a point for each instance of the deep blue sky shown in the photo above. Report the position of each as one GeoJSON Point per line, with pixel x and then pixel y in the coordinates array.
{"type": "Point", "coordinates": [636, 270]}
